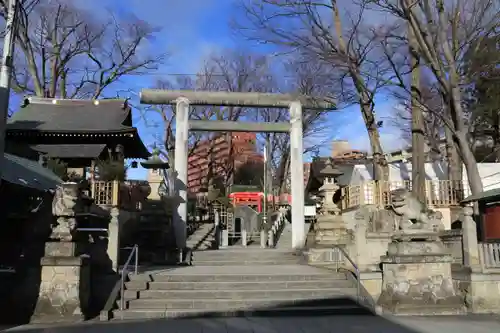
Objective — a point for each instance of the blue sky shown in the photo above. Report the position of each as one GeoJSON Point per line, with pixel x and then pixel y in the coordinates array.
{"type": "Point", "coordinates": [191, 30]}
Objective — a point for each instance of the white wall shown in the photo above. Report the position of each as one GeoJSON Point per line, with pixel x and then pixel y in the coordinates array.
{"type": "Point", "coordinates": [490, 173]}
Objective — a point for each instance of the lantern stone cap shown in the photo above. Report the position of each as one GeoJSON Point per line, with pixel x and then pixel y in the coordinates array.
{"type": "Point", "coordinates": [329, 170]}
{"type": "Point", "coordinates": [154, 161]}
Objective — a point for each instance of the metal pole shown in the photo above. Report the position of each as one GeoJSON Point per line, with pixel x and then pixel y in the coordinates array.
{"type": "Point", "coordinates": [6, 72]}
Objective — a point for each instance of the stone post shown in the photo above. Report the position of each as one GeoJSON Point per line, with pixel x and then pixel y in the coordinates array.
{"type": "Point", "coordinates": [65, 278]}
{"type": "Point", "coordinates": [270, 239]}
{"type": "Point", "coordinates": [244, 238]}
{"type": "Point", "coordinates": [181, 165]}
{"type": "Point", "coordinates": [217, 229]}
{"type": "Point", "coordinates": [225, 238]}
{"type": "Point", "coordinates": [297, 176]}
{"type": "Point", "coordinates": [360, 243]}
{"type": "Point", "coordinates": [114, 238]}
{"type": "Point", "coordinates": [469, 240]}
{"type": "Point", "coordinates": [263, 239]}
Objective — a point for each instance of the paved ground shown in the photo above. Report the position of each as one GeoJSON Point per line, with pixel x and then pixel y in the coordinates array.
{"type": "Point", "coordinates": [331, 324]}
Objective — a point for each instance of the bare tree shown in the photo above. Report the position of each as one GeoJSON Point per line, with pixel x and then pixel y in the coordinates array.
{"type": "Point", "coordinates": [318, 31]}
{"type": "Point", "coordinates": [444, 34]}
{"type": "Point", "coordinates": [65, 51]}
{"type": "Point", "coordinates": [433, 109]}
{"type": "Point", "coordinates": [235, 71]}
{"type": "Point", "coordinates": [436, 133]}
{"type": "Point", "coordinates": [303, 77]}
{"type": "Point", "coordinates": [238, 71]}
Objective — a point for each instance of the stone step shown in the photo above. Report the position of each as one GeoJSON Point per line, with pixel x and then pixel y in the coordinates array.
{"type": "Point", "coordinates": [254, 258]}
{"type": "Point", "coordinates": [258, 285]}
{"type": "Point", "coordinates": [244, 262]}
{"type": "Point", "coordinates": [303, 311]}
{"type": "Point", "coordinates": [226, 304]}
{"type": "Point", "coordinates": [250, 252]}
{"type": "Point", "coordinates": [197, 238]}
{"type": "Point", "coordinates": [235, 277]}
{"type": "Point", "coordinates": [168, 295]}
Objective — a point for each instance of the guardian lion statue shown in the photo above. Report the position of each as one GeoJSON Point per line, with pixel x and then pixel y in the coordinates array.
{"type": "Point", "coordinates": [413, 213]}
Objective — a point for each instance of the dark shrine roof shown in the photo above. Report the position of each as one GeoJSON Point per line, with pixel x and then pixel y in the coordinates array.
{"type": "Point", "coordinates": [78, 128]}
{"type": "Point", "coordinates": [71, 151]}
{"type": "Point", "coordinates": [58, 115]}
{"type": "Point", "coordinates": [21, 171]}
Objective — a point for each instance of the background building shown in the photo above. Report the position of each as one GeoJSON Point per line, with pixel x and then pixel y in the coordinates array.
{"type": "Point", "coordinates": [341, 150]}
{"type": "Point", "coordinates": [218, 151]}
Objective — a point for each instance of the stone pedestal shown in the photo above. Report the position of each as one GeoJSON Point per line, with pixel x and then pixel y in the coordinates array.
{"type": "Point", "coordinates": [65, 285]}
{"type": "Point", "coordinates": [331, 230]}
{"type": "Point", "coordinates": [417, 277]}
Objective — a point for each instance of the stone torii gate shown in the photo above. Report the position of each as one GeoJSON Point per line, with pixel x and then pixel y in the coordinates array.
{"type": "Point", "coordinates": [182, 99]}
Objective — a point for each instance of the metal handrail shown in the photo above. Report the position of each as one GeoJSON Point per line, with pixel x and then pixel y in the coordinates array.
{"type": "Point", "coordinates": [135, 251]}
{"type": "Point", "coordinates": [356, 269]}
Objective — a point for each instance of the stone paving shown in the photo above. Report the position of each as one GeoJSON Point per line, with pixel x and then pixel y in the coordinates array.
{"type": "Point", "coordinates": [329, 324]}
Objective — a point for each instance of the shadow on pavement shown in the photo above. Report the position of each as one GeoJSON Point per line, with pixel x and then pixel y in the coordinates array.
{"type": "Point", "coordinates": [305, 317]}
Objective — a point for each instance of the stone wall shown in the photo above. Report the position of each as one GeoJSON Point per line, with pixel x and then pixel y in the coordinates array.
{"type": "Point", "coordinates": [482, 290]}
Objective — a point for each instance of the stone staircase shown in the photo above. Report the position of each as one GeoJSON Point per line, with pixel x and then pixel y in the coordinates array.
{"type": "Point", "coordinates": [203, 238]}
{"type": "Point", "coordinates": [285, 238]}
{"type": "Point", "coordinates": [239, 282]}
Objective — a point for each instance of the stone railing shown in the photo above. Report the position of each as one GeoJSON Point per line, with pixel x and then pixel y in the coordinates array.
{"type": "Point", "coordinates": [489, 254]}
{"type": "Point", "coordinates": [127, 195]}
{"type": "Point", "coordinates": [440, 193]}
{"type": "Point", "coordinates": [278, 219]}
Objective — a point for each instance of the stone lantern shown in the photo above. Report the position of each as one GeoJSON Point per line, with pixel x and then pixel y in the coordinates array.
{"type": "Point", "coordinates": [162, 187]}
{"type": "Point", "coordinates": [330, 228]}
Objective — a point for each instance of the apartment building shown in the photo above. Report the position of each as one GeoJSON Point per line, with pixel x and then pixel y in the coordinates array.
{"type": "Point", "coordinates": [217, 150]}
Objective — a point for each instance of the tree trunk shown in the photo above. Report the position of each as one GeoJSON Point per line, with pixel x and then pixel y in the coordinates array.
{"type": "Point", "coordinates": [230, 166]}
{"type": "Point", "coordinates": [496, 136]}
{"type": "Point", "coordinates": [380, 166]}
{"type": "Point", "coordinates": [475, 181]}
{"type": "Point", "coordinates": [417, 126]}
{"type": "Point", "coordinates": [171, 174]}
{"type": "Point", "coordinates": [473, 176]}
{"type": "Point", "coordinates": [284, 170]}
